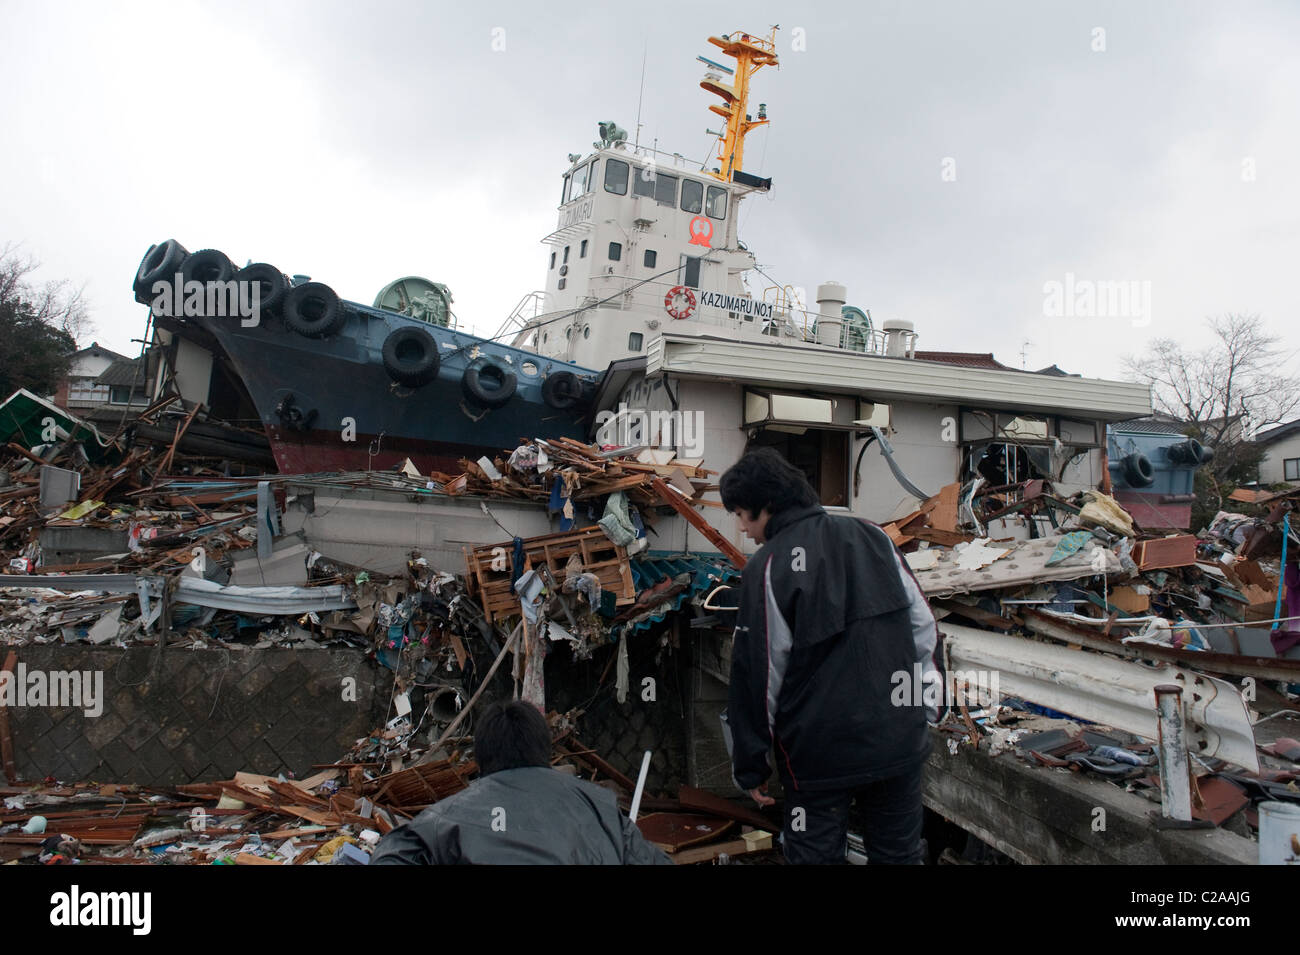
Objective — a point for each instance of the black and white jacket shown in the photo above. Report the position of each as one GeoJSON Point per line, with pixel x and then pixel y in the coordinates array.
{"type": "Point", "coordinates": [831, 624]}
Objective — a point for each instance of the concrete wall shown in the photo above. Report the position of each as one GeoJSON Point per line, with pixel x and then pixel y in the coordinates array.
{"type": "Point", "coordinates": [1270, 469]}
{"type": "Point", "coordinates": [201, 715]}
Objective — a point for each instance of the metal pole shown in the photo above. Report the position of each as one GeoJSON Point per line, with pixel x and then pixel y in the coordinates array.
{"type": "Point", "coordinates": [1175, 783]}
{"type": "Point", "coordinates": [640, 786]}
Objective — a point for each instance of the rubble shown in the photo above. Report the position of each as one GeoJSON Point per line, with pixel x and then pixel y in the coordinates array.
{"type": "Point", "coordinates": [155, 539]}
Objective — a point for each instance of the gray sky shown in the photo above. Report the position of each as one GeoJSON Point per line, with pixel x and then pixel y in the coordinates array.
{"type": "Point", "coordinates": [362, 142]}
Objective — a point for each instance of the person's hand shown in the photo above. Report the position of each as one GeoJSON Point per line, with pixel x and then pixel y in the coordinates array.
{"type": "Point", "coordinates": [761, 797]}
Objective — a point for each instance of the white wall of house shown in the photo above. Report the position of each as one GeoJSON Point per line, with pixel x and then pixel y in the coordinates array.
{"type": "Point", "coordinates": [923, 438]}
{"type": "Point", "coordinates": [1273, 469]}
{"type": "Point", "coordinates": [82, 390]}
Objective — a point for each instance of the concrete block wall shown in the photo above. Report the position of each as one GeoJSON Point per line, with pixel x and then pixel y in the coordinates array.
{"type": "Point", "coordinates": [197, 715]}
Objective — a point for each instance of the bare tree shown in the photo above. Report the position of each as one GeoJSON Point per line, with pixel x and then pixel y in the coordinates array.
{"type": "Point", "coordinates": [1223, 394]}
{"type": "Point", "coordinates": [1236, 385]}
{"type": "Point", "coordinates": [54, 303]}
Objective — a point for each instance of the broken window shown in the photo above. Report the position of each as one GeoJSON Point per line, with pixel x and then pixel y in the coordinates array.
{"type": "Point", "coordinates": [1001, 463]}
{"type": "Point", "coordinates": [822, 456]}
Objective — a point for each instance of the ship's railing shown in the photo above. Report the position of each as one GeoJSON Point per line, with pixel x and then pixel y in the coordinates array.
{"type": "Point", "coordinates": [662, 158]}
{"type": "Point", "coordinates": [789, 322]}
{"type": "Point", "coordinates": [529, 307]}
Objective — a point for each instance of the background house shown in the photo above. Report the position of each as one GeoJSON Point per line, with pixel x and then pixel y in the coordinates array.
{"type": "Point", "coordinates": [1281, 461]}
{"type": "Point", "coordinates": [80, 391]}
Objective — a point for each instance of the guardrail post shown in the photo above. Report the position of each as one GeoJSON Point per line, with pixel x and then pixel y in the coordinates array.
{"type": "Point", "coordinates": [1175, 783]}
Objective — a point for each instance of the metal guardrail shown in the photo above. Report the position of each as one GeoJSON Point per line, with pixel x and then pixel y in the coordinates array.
{"type": "Point", "coordinates": [1105, 690]}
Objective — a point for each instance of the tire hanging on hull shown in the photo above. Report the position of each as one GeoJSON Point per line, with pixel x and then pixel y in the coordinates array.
{"type": "Point", "coordinates": [482, 368]}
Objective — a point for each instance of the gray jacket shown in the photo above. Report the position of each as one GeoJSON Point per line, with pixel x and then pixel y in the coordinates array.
{"type": "Point", "coordinates": [528, 816]}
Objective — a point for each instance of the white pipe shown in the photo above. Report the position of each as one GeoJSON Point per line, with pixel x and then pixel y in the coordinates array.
{"type": "Point", "coordinates": [640, 785]}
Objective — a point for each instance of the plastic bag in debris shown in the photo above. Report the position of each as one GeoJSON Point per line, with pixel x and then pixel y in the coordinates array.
{"type": "Point", "coordinates": [523, 458]}
{"type": "Point", "coordinates": [529, 589]}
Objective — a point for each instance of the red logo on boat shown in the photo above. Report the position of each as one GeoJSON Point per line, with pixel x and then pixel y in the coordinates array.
{"type": "Point", "coordinates": [701, 232]}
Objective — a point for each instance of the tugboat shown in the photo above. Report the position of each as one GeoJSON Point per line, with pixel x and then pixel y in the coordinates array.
{"type": "Point", "coordinates": [341, 386]}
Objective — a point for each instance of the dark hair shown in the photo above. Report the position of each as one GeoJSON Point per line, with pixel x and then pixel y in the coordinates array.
{"type": "Point", "coordinates": [511, 735]}
{"type": "Point", "coordinates": [764, 479]}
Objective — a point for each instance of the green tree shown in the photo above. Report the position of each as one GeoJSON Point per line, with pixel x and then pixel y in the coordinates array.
{"type": "Point", "coordinates": [38, 327]}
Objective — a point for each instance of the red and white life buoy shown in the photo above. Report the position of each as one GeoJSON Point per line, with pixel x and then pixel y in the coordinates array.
{"type": "Point", "coordinates": [670, 301]}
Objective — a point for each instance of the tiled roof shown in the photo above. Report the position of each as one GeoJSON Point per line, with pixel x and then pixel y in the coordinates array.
{"type": "Point", "coordinates": [965, 359]}
{"type": "Point", "coordinates": [125, 372]}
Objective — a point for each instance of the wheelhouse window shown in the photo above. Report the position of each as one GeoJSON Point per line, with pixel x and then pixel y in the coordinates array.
{"type": "Point", "coordinates": [692, 196]}
{"type": "Point", "coordinates": [644, 183]}
{"type": "Point", "coordinates": [564, 190]}
{"type": "Point", "coordinates": [688, 273]}
{"type": "Point", "coordinates": [634, 341]}
{"type": "Point", "coordinates": [716, 207]}
{"type": "Point", "coordinates": [616, 177]}
{"type": "Point", "coordinates": [615, 251]}
{"type": "Point", "coordinates": [581, 180]}
{"type": "Point", "coordinates": [650, 258]}
{"type": "Point", "coordinates": [666, 190]}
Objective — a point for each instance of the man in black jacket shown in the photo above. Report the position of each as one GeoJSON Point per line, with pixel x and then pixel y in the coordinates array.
{"type": "Point", "coordinates": [520, 811]}
{"type": "Point", "coordinates": [831, 622]}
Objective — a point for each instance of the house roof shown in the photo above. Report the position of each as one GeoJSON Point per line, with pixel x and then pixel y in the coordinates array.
{"type": "Point", "coordinates": [124, 372]}
{"type": "Point", "coordinates": [1278, 432]}
{"type": "Point", "coordinates": [966, 359]}
{"type": "Point", "coordinates": [881, 378]}
{"type": "Point", "coordinates": [1151, 424]}
{"type": "Point", "coordinates": [94, 348]}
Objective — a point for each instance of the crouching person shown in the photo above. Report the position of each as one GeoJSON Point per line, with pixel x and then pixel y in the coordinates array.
{"type": "Point", "coordinates": [520, 811]}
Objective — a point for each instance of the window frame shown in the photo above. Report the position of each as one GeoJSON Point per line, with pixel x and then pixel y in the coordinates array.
{"type": "Point", "coordinates": [684, 266]}
{"type": "Point", "coordinates": [650, 259]}
{"type": "Point", "coordinates": [707, 202]}
{"type": "Point", "coordinates": [1294, 463]}
{"type": "Point", "coordinates": [670, 201]}
{"type": "Point", "coordinates": [627, 171]}
{"type": "Point", "coordinates": [616, 252]}
{"type": "Point", "coordinates": [699, 204]}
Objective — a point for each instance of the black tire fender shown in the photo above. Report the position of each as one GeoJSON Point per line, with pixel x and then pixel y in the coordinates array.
{"type": "Point", "coordinates": [160, 264]}
{"type": "Point", "coordinates": [207, 265]}
{"type": "Point", "coordinates": [313, 310]}
{"type": "Point", "coordinates": [273, 285]}
{"type": "Point", "coordinates": [1186, 452]}
{"type": "Point", "coordinates": [1138, 471]}
{"type": "Point", "coordinates": [562, 390]}
{"type": "Point", "coordinates": [486, 395]}
{"type": "Point", "coordinates": [411, 356]}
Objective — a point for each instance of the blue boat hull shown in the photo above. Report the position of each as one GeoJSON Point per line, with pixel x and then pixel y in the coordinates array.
{"type": "Point", "coordinates": [329, 404]}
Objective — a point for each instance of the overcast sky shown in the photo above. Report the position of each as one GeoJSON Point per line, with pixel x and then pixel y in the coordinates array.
{"type": "Point", "coordinates": [944, 160]}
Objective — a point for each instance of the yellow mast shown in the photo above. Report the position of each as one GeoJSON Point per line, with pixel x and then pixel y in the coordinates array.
{"type": "Point", "coordinates": [752, 54]}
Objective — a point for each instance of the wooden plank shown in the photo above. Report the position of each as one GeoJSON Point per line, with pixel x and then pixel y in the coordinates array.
{"type": "Point", "coordinates": [692, 798]}
{"type": "Point", "coordinates": [6, 737]}
{"type": "Point", "coordinates": [682, 507]}
{"type": "Point", "coordinates": [736, 847]}
{"type": "Point", "coordinates": [674, 831]}
{"type": "Point", "coordinates": [1166, 552]}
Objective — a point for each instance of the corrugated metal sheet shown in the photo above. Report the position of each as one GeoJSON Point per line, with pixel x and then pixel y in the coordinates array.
{"type": "Point", "coordinates": [701, 574]}
{"type": "Point", "coordinates": [886, 378]}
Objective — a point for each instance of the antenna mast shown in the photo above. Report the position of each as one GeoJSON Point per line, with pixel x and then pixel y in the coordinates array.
{"type": "Point", "coordinates": [641, 97]}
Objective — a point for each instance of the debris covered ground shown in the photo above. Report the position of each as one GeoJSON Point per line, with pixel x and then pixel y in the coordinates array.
{"type": "Point", "coordinates": [179, 548]}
